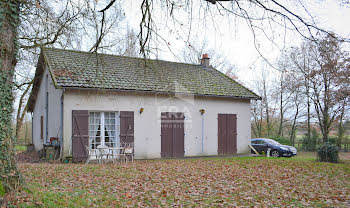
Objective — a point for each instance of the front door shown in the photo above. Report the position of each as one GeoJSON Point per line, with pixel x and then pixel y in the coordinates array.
{"type": "Point", "coordinates": [172, 134]}
{"type": "Point", "coordinates": [227, 133]}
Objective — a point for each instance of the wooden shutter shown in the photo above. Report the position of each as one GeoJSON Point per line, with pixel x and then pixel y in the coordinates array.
{"type": "Point", "coordinates": [178, 135]}
{"type": "Point", "coordinates": [231, 134]}
{"type": "Point", "coordinates": [126, 126]}
{"type": "Point", "coordinates": [166, 135]}
{"type": "Point", "coordinates": [222, 134]}
{"type": "Point", "coordinates": [80, 135]}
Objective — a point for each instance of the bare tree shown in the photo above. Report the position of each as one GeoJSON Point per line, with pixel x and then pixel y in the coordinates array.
{"type": "Point", "coordinates": [262, 111]}
{"type": "Point", "coordinates": [295, 91]}
{"type": "Point", "coordinates": [330, 87]}
{"type": "Point", "coordinates": [262, 17]}
{"type": "Point", "coordinates": [302, 62]}
{"type": "Point", "coordinates": [257, 116]}
{"type": "Point", "coordinates": [281, 91]}
{"type": "Point", "coordinates": [192, 54]}
{"type": "Point", "coordinates": [45, 23]}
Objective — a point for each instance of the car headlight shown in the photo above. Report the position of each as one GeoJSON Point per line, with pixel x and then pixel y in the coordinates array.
{"type": "Point", "coordinates": [294, 150]}
{"type": "Point", "coordinates": [284, 148]}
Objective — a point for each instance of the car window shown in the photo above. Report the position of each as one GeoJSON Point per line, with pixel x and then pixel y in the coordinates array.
{"type": "Point", "coordinates": [273, 142]}
{"type": "Point", "coordinates": [260, 142]}
{"type": "Point", "coordinates": [253, 141]}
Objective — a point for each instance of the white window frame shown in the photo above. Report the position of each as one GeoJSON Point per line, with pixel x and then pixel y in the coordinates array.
{"type": "Point", "coordinates": [102, 125]}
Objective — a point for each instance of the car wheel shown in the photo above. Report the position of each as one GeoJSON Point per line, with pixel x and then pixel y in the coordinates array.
{"type": "Point", "coordinates": [275, 153]}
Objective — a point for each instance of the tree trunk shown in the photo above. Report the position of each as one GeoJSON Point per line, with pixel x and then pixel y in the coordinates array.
{"type": "Point", "coordinates": [341, 126]}
{"type": "Point", "coordinates": [308, 108]}
{"type": "Point", "coordinates": [21, 113]}
{"type": "Point", "coordinates": [292, 135]}
{"type": "Point", "coordinates": [9, 16]}
{"type": "Point", "coordinates": [280, 130]}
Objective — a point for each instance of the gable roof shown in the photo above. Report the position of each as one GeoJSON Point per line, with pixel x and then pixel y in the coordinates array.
{"type": "Point", "coordinates": [77, 69]}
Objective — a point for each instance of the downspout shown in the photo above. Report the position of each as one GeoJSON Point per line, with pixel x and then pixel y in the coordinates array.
{"type": "Point", "coordinates": [61, 126]}
{"type": "Point", "coordinates": [202, 133]}
{"type": "Point", "coordinates": [46, 109]}
{"type": "Point", "coordinates": [32, 128]}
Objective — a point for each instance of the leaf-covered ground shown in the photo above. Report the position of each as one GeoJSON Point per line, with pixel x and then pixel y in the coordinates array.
{"type": "Point", "coordinates": [227, 182]}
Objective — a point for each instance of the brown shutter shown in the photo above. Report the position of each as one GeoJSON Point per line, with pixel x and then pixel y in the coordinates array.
{"type": "Point", "coordinates": [231, 133]}
{"type": "Point", "coordinates": [166, 135]}
{"type": "Point", "coordinates": [126, 126]}
{"type": "Point", "coordinates": [178, 135]}
{"type": "Point", "coordinates": [80, 135]}
{"type": "Point", "coordinates": [221, 133]}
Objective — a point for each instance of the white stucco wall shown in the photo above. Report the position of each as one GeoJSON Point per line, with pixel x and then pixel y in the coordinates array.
{"type": "Point", "coordinates": [147, 125]}
{"type": "Point", "coordinates": [54, 111]}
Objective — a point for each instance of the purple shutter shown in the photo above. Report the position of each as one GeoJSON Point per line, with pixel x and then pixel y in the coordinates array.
{"type": "Point", "coordinates": [221, 134]}
{"type": "Point", "coordinates": [126, 126]}
{"type": "Point", "coordinates": [166, 135]}
{"type": "Point", "coordinates": [80, 135]}
{"type": "Point", "coordinates": [231, 134]}
{"type": "Point", "coordinates": [178, 135]}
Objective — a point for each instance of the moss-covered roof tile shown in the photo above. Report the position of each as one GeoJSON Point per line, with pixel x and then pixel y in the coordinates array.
{"type": "Point", "coordinates": [103, 71]}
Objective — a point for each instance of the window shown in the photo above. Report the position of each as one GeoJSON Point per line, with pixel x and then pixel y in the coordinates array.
{"type": "Point", "coordinates": [103, 129]}
{"type": "Point", "coordinates": [260, 142]}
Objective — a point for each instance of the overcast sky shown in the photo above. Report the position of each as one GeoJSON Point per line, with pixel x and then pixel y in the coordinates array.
{"type": "Point", "coordinates": [234, 38]}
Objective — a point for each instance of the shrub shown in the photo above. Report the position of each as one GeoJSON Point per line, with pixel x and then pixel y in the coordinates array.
{"type": "Point", "coordinates": [281, 140]}
{"type": "Point", "coordinates": [328, 153]}
{"type": "Point", "coordinates": [309, 143]}
{"type": "Point", "coordinates": [332, 139]}
{"type": "Point", "coordinates": [2, 190]}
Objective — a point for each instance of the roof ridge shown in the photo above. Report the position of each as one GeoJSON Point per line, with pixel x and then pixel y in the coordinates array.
{"type": "Point", "coordinates": [121, 56]}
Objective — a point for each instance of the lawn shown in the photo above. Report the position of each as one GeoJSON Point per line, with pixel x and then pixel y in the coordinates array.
{"type": "Point", "coordinates": [241, 181]}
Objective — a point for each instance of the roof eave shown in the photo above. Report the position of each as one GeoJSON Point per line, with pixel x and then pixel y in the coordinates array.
{"type": "Point", "coordinates": [40, 68]}
{"type": "Point", "coordinates": [160, 92]}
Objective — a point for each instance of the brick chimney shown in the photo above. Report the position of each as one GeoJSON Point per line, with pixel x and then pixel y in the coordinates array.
{"type": "Point", "coordinates": [205, 60]}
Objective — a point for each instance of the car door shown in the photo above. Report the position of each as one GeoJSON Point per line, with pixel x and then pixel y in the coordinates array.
{"type": "Point", "coordinates": [253, 143]}
{"type": "Point", "coordinates": [260, 146]}
{"type": "Point", "coordinates": [264, 146]}
{"type": "Point", "coordinates": [256, 145]}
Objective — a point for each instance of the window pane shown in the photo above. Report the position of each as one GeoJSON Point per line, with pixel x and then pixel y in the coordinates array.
{"type": "Point", "coordinates": [94, 129]}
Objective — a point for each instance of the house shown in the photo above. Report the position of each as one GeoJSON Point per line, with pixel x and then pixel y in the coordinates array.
{"type": "Point", "coordinates": [166, 109]}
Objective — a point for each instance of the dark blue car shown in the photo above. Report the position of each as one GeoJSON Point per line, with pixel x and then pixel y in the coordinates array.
{"type": "Point", "coordinates": [276, 149]}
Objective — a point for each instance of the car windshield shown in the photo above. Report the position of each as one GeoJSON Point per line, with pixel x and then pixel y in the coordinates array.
{"type": "Point", "coordinates": [272, 142]}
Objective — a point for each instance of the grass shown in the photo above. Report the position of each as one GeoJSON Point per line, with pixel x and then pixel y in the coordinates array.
{"type": "Point", "coordinates": [2, 191]}
{"type": "Point", "coordinates": [20, 148]}
{"type": "Point", "coordinates": [240, 181]}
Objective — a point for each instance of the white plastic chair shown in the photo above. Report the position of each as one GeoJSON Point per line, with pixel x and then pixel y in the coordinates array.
{"type": "Point", "coordinates": [104, 153]}
{"type": "Point", "coordinates": [128, 151]}
{"type": "Point", "coordinates": [91, 153]}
